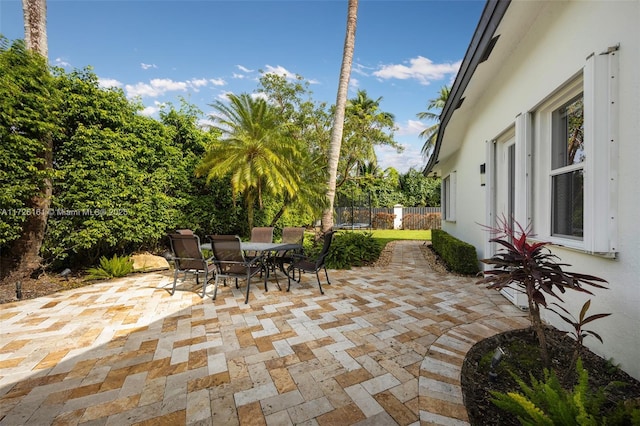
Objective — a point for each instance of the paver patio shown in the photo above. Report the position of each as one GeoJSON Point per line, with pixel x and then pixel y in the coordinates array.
{"type": "Point", "coordinates": [382, 346]}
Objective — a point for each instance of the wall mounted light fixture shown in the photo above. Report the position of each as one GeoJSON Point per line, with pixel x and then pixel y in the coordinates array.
{"type": "Point", "coordinates": [483, 172]}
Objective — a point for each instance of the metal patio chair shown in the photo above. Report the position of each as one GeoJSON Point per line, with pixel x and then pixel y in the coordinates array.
{"type": "Point", "coordinates": [231, 262]}
{"type": "Point", "coordinates": [187, 257]}
{"type": "Point", "coordinates": [307, 264]}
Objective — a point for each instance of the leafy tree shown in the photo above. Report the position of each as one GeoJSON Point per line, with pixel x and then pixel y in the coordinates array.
{"type": "Point", "coordinates": [366, 126]}
{"type": "Point", "coordinates": [113, 187]}
{"type": "Point", "coordinates": [431, 133]}
{"type": "Point", "coordinates": [254, 150]}
{"type": "Point", "coordinates": [28, 120]}
{"type": "Point", "coordinates": [420, 190]}
{"type": "Point", "coordinates": [307, 125]}
{"type": "Point", "coordinates": [208, 207]}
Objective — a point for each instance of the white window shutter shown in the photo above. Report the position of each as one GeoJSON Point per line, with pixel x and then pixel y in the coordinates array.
{"type": "Point", "coordinates": [601, 144]}
{"type": "Point", "coordinates": [524, 188]}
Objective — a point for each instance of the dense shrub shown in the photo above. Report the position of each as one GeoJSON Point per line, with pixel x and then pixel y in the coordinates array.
{"type": "Point", "coordinates": [347, 249]}
{"type": "Point", "coordinates": [421, 221]}
{"type": "Point", "coordinates": [352, 249]}
{"type": "Point", "coordinates": [383, 220]}
{"type": "Point", "coordinates": [459, 256]}
{"type": "Point", "coordinates": [28, 115]}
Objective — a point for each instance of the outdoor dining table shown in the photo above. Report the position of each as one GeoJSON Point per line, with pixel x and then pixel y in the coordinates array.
{"type": "Point", "coordinates": [261, 247]}
{"type": "Point", "coordinates": [266, 249]}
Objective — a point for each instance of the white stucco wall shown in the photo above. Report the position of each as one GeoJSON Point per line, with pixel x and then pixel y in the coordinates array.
{"type": "Point", "coordinates": [553, 50]}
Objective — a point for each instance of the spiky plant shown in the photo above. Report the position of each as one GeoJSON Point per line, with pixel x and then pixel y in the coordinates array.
{"type": "Point", "coordinates": [534, 270]}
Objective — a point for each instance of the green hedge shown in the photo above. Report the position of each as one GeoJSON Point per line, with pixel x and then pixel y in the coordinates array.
{"type": "Point", "coordinates": [460, 257]}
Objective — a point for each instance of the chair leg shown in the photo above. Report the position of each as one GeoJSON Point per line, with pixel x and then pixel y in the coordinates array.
{"type": "Point", "coordinates": [246, 299]}
{"type": "Point", "coordinates": [327, 275]}
{"type": "Point", "coordinates": [319, 285]}
{"type": "Point", "coordinates": [175, 279]}
{"type": "Point", "coordinates": [204, 284]}
{"type": "Point", "coordinates": [215, 287]}
{"type": "Point", "coordinates": [289, 270]}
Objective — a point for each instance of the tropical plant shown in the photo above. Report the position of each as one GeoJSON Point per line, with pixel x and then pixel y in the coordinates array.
{"type": "Point", "coordinates": [307, 124]}
{"type": "Point", "coordinates": [546, 402]}
{"type": "Point", "coordinates": [431, 133]}
{"type": "Point", "coordinates": [579, 332]}
{"type": "Point", "coordinates": [534, 270]}
{"type": "Point", "coordinates": [365, 127]}
{"type": "Point", "coordinates": [111, 268]}
{"type": "Point", "coordinates": [260, 158]}
{"type": "Point", "coordinates": [338, 119]}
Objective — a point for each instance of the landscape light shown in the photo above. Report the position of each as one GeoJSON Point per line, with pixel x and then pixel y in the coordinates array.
{"type": "Point", "coordinates": [495, 360]}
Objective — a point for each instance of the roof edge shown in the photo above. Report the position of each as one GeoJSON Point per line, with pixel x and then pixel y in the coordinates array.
{"type": "Point", "coordinates": [494, 11]}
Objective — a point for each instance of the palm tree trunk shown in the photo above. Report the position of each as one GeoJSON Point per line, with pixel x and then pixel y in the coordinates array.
{"type": "Point", "coordinates": [338, 119]}
{"type": "Point", "coordinates": [26, 250]}
{"type": "Point", "coordinates": [35, 25]}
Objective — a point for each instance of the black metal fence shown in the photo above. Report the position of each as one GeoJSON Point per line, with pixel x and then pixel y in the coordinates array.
{"type": "Point", "coordinates": [363, 217]}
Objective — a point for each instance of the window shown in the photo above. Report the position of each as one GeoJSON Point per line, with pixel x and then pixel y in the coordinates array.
{"type": "Point", "coordinates": [567, 167]}
{"type": "Point", "coordinates": [449, 197]}
{"type": "Point", "coordinates": [567, 170]}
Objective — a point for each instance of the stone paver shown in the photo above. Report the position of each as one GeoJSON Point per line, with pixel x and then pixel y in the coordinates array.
{"type": "Point", "coordinates": [381, 346]}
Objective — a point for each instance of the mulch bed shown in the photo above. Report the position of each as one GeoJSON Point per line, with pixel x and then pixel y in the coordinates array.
{"type": "Point", "coordinates": [522, 358]}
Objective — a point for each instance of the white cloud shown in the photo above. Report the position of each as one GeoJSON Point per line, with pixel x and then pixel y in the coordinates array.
{"type": "Point", "coordinates": [156, 87]}
{"type": "Point", "coordinates": [106, 83]}
{"type": "Point", "coordinates": [243, 69]}
{"type": "Point", "coordinates": [279, 70]}
{"type": "Point", "coordinates": [239, 76]}
{"type": "Point", "coordinates": [354, 83]}
{"type": "Point", "coordinates": [420, 68]}
{"type": "Point", "coordinates": [402, 162]}
{"type": "Point", "coordinates": [159, 86]}
{"type": "Point", "coordinates": [150, 110]}
{"type": "Point", "coordinates": [59, 62]}
{"type": "Point", "coordinates": [410, 128]}
{"type": "Point", "coordinates": [360, 69]}
{"type": "Point", "coordinates": [198, 82]}
{"type": "Point", "coordinates": [259, 96]}
{"type": "Point", "coordinates": [223, 96]}
{"type": "Point", "coordinates": [205, 123]}
{"type": "Point", "coordinates": [147, 66]}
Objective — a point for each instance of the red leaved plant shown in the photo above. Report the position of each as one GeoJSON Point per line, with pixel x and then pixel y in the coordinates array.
{"type": "Point", "coordinates": [534, 270]}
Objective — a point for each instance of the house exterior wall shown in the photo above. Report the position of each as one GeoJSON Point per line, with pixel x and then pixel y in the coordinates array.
{"type": "Point", "coordinates": [551, 53]}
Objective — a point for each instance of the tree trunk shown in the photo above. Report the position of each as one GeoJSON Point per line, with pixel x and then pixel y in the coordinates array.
{"type": "Point", "coordinates": [338, 119]}
{"type": "Point", "coordinates": [536, 323]}
{"type": "Point", "coordinates": [35, 25]}
{"type": "Point", "coordinates": [26, 249]}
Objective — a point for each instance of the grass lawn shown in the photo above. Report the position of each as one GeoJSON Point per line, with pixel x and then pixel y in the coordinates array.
{"type": "Point", "coordinates": [386, 235]}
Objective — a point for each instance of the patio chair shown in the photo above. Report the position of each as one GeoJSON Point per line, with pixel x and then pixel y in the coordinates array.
{"type": "Point", "coordinates": [188, 257]}
{"type": "Point", "coordinates": [290, 235]}
{"type": "Point", "coordinates": [260, 234]}
{"type": "Point", "coordinates": [231, 262]}
{"type": "Point", "coordinates": [306, 264]}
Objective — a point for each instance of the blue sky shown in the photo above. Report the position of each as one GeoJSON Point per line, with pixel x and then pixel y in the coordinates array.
{"type": "Point", "coordinates": [158, 50]}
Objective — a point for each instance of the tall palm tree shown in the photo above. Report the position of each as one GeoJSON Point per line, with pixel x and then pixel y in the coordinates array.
{"type": "Point", "coordinates": [431, 133]}
{"type": "Point", "coordinates": [338, 120]}
{"type": "Point", "coordinates": [26, 249]}
{"type": "Point", "coordinates": [253, 150]}
{"type": "Point", "coordinates": [35, 25]}
{"type": "Point", "coordinates": [366, 126]}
